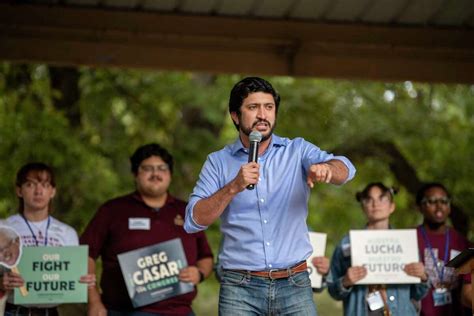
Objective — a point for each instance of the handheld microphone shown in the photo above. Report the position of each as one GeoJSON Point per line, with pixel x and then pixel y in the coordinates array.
{"type": "Point", "coordinates": [254, 138]}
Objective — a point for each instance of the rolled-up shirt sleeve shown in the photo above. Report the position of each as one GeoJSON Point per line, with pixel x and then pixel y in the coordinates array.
{"type": "Point", "coordinates": [312, 154]}
{"type": "Point", "coordinates": [350, 167]}
{"type": "Point", "coordinates": [207, 185]}
{"type": "Point", "coordinates": [190, 224]}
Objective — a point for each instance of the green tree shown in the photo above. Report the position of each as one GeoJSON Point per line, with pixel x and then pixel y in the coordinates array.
{"type": "Point", "coordinates": [86, 122]}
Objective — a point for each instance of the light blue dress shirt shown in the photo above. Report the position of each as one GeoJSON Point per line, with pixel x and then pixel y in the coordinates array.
{"type": "Point", "coordinates": [264, 228]}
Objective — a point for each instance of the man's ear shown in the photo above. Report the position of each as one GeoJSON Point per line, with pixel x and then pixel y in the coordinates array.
{"type": "Point", "coordinates": [235, 117]}
{"type": "Point", "coordinates": [53, 194]}
{"type": "Point", "coordinates": [18, 192]}
{"type": "Point", "coordinates": [392, 208]}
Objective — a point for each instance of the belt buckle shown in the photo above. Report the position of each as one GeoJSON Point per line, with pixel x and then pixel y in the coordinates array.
{"type": "Point", "coordinates": [270, 274]}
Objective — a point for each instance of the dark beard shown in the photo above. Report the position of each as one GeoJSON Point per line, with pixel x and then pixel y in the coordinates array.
{"type": "Point", "coordinates": [434, 226]}
{"type": "Point", "coordinates": [247, 131]}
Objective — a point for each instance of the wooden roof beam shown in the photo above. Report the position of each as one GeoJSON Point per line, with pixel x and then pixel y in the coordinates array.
{"type": "Point", "coordinates": [84, 36]}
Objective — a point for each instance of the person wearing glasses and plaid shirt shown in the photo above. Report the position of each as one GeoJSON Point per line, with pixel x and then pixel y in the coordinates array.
{"type": "Point", "coordinates": [438, 243]}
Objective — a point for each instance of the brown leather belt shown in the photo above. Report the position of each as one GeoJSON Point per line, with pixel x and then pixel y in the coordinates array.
{"type": "Point", "coordinates": [278, 274]}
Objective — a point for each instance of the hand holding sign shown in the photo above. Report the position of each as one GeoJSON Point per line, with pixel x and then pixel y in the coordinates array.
{"type": "Point", "coordinates": [321, 264]}
{"type": "Point", "coordinates": [354, 275]}
{"type": "Point", "coordinates": [10, 254]}
{"type": "Point", "coordinates": [190, 274]}
{"type": "Point", "coordinates": [416, 269]}
{"type": "Point", "coordinates": [88, 279]}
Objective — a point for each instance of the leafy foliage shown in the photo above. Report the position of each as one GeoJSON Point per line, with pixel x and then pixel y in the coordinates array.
{"type": "Point", "coordinates": [431, 126]}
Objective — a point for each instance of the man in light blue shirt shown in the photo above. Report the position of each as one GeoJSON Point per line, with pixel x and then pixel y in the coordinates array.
{"type": "Point", "coordinates": [264, 234]}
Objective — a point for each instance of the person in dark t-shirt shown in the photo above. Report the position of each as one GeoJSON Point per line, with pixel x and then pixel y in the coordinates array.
{"type": "Point", "coordinates": [438, 243]}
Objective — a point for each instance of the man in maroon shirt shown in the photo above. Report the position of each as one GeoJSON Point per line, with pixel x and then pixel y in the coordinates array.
{"type": "Point", "coordinates": [438, 243]}
{"type": "Point", "coordinates": [148, 216]}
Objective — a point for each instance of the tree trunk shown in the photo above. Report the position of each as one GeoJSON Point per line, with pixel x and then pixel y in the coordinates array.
{"type": "Point", "coordinates": [65, 80]}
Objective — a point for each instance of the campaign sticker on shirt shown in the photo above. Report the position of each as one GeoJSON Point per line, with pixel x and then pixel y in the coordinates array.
{"type": "Point", "coordinates": [138, 223]}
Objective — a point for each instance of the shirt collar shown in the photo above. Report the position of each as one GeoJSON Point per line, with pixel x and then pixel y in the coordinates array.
{"type": "Point", "coordinates": [238, 146]}
{"type": "Point", "coordinates": [169, 199]}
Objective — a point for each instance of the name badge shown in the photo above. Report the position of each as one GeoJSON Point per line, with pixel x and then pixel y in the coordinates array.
{"type": "Point", "coordinates": [441, 296]}
{"type": "Point", "coordinates": [375, 301]}
{"type": "Point", "coordinates": [138, 223]}
{"type": "Point", "coordinates": [453, 253]}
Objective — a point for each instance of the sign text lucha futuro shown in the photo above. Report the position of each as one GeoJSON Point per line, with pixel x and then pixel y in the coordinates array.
{"type": "Point", "coordinates": [384, 254]}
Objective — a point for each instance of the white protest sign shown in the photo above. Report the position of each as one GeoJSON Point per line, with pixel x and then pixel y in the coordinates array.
{"type": "Point", "coordinates": [384, 254]}
{"type": "Point", "coordinates": [318, 242]}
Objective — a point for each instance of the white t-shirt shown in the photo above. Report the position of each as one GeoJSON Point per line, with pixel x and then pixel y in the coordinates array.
{"type": "Point", "coordinates": [58, 233]}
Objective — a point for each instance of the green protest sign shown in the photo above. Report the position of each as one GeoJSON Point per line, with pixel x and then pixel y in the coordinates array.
{"type": "Point", "coordinates": [52, 275]}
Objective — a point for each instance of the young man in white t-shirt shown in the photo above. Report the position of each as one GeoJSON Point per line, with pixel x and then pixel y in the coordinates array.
{"type": "Point", "coordinates": [36, 188]}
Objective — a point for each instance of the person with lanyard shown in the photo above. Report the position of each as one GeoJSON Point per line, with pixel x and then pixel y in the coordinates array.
{"type": "Point", "coordinates": [36, 188]}
{"type": "Point", "coordinates": [438, 243]}
{"type": "Point", "coordinates": [364, 300]}
{"type": "Point", "coordinates": [263, 207]}
{"type": "Point", "coordinates": [145, 217]}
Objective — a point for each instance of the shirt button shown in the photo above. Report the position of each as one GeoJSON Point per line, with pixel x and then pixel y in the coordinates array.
{"type": "Point", "coordinates": [268, 244]}
{"type": "Point", "coordinates": [259, 179]}
{"type": "Point", "coordinates": [391, 298]}
{"type": "Point", "coordinates": [262, 200]}
{"type": "Point", "coordinates": [265, 221]}
{"type": "Point", "coordinates": [269, 265]}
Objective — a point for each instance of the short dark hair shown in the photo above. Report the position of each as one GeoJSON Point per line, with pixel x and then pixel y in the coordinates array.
{"type": "Point", "coordinates": [365, 192]}
{"type": "Point", "coordinates": [249, 85]}
{"type": "Point", "coordinates": [35, 170]}
{"type": "Point", "coordinates": [425, 187]}
{"type": "Point", "coordinates": [146, 151]}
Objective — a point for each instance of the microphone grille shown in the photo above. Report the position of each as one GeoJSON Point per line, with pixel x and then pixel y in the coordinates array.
{"type": "Point", "coordinates": [255, 137]}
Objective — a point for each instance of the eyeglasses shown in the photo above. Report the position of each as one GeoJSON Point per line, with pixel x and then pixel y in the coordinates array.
{"type": "Point", "coordinates": [434, 201]}
{"type": "Point", "coordinates": [369, 200]}
{"type": "Point", "coordinates": [157, 168]}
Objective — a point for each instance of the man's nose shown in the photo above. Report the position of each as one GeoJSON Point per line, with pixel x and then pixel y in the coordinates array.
{"type": "Point", "coordinates": [261, 112]}
{"type": "Point", "coordinates": [39, 189]}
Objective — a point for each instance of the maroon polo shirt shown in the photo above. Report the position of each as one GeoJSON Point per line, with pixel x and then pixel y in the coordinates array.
{"type": "Point", "coordinates": [108, 235]}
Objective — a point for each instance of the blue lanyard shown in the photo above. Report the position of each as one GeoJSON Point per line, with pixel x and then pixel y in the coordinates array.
{"type": "Point", "coordinates": [435, 261]}
{"type": "Point", "coordinates": [32, 233]}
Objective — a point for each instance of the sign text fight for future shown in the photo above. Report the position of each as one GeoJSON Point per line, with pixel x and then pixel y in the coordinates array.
{"type": "Point", "coordinates": [384, 253]}
{"type": "Point", "coordinates": [156, 267]}
{"type": "Point", "coordinates": [49, 267]}
{"type": "Point", "coordinates": [52, 275]}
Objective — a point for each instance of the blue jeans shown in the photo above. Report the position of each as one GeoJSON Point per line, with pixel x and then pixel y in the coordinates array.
{"type": "Point", "coordinates": [134, 313]}
{"type": "Point", "coordinates": [243, 294]}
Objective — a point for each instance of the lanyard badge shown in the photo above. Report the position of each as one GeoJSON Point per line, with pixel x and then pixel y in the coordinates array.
{"type": "Point", "coordinates": [441, 295]}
